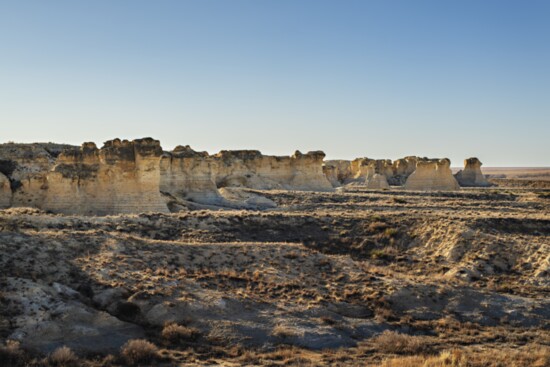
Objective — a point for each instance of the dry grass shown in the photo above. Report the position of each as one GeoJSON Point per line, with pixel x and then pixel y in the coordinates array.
{"type": "Point", "coordinates": [284, 331]}
{"type": "Point", "coordinates": [303, 258]}
{"type": "Point", "coordinates": [532, 356]}
{"type": "Point", "coordinates": [392, 342]}
{"type": "Point", "coordinates": [63, 357]}
{"type": "Point", "coordinates": [174, 333]}
{"type": "Point", "coordinates": [139, 351]}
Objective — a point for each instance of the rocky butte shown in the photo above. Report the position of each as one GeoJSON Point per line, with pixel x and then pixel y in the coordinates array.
{"type": "Point", "coordinates": [139, 176]}
{"type": "Point", "coordinates": [471, 174]}
{"type": "Point", "coordinates": [411, 173]}
{"type": "Point", "coordinates": [121, 177]}
{"type": "Point", "coordinates": [432, 174]}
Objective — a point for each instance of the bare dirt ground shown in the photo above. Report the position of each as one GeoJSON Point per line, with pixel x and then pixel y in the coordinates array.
{"type": "Point", "coordinates": [354, 277]}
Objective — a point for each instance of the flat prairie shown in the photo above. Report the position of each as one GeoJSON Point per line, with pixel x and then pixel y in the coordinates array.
{"type": "Point", "coordinates": [535, 173]}
{"type": "Point", "coordinates": [351, 277]}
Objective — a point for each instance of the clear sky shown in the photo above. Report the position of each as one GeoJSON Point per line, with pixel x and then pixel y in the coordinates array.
{"type": "Point", "coordinates": [381, 79]}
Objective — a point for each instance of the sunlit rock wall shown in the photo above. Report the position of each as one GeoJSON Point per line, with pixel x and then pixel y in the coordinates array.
{"type": "Point", "coordinates": [121, 177]}
{"type": "Point", "coordinates": [249, 168]}
{"type": "Point", "coordinates": [471, 174]}
{"type": "Point", "coordinates": [189, 175]}
{"type": "Point", "coordinates": [432, 175]}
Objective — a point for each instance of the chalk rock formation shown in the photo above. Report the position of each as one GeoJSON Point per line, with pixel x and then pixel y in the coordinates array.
{"type": "Point", "coordinates": [360, 168]}
{"type": "Point", "coordinates": [26, 166]}
{"type": "Point", "coordinates": [432, 174]}
{"type": "Point", "coordinates": [471, 174]}
{"type": "Point", "coordinates": [5, 192]}
{"type": "Point", "coordinates": [121, 177]}
{"type": "Point", "coordinates": [307, 172]}
{"type": "Point", "coordinates": [377, 181]}
{"type": "Point", "coordinates": [337, 171]}
{"type": "Point", "coordinates": [249, 168]}
{"type": "Point", "coordinates": [402, 168]}
{"type": "Point", "coordinates": [189, 175]}
{"type": "Point", "coordinates": [47, 317]}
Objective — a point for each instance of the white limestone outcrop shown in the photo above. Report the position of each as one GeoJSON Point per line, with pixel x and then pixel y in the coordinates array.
{"type": "Point", "coordinates": [337, 171]}
{"type": "Point", "coordinates": [121, 177]}
{"type": "Point", "coordinates": [471, 175]}
{"type": "Point", "coordinates": [432, 175]}
{"type": "Point", "coordinates": [377, 182]}
{"type": "Point", "coordinates": [251, 169]}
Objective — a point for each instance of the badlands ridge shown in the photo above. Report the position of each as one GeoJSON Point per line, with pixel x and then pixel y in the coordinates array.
{"type": "Point", "coordinates": [138, 176]}
{"type": "Point", "coordinates": [120, 256]}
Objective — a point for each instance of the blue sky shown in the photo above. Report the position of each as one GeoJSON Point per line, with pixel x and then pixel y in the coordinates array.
{"type": "Point", "coordinates": [381, 79]}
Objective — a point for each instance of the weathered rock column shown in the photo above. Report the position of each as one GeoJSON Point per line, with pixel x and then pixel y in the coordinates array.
{"type": "Point", "coordinates": [471, 174]}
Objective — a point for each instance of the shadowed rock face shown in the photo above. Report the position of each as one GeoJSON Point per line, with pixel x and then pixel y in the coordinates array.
{"type": "Point", "coordinates": [402, 169]}
{"type": "Point", "coordinates": [5, 192]}
{"type": "Point", "coordinates": [337, 171]}
{"type": "Point", "coordinates": [189, 175]}
{"type": "Point", "coordinates": [432, 174]}
{"type": "Point", "coordinates": [26, 166]}
{"type": "Point", "coordinates": [471, 174]}
{"type": "Point", "coordinates": [360, 169]}
{"type": "Point", "coordinates": [121, 177]}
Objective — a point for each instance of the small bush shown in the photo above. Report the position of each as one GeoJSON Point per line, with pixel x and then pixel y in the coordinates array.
{"type": "Point", "coordinates": [139, 351]}
{"type": "Point", "coordinates": [282, 331]}
{"type": "Point", "coordinates": [399, 200]}
{"type": "Point", "coordinates": [390, 232]}
{"type": "Point", "coordinates": [377, 227]}
{"type": "Point", "coordinates": [175, 333]}
{"type": "Point", "coordinates": [396, 343]}
{"type": "Point", "coordinates": [386, 253]}
{"type": "Point", "coordinates": [63, 357]}
{"type": "Point", "coordinates": [11, 354]}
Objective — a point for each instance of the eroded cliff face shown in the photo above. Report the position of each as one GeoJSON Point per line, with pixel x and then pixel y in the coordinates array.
{"type": "Point", "coordinates": [26, 166]}
{"type": "Point", "coordinates": [337, 171]}
{"type": "Point", "coordinates": [432, 175]}
{"type": "Point", "coordinates": [249, 168]}
{"type": "Point", "coordinates": [5, 192]}
{"type": "Point", "coordinates": [189, 175]}
{"type": "Point", "coordinates": [471, 174]}
{"type": "Point", "coordinates": [121, 177]}
{"type": "Point", "coordinates": [377, 181]}
{"type": "Point", "coordinates": [137, 176]}
{"type": "Point", "coordinates": [402, 169]}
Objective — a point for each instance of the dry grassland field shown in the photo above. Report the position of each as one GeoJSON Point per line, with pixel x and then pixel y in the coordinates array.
{"type": "Point", "coordinates": [350, 277]}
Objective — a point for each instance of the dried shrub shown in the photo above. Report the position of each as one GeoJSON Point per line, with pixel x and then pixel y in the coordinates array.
{"type": "Point", "coordinates": [283, 331]}
{"type": "Point", "coordinates": [11, 354]}
{"type": "Point", "coordinates": [390, 232]}
{"type": "Point", "coordinates": [396, 343]}
{"type": "Point", "coordinates": [139, 351]}
{"type": "Point", "coordinates": [175, 333]}
{"type": "Point", "coordinates": [63, 357]}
